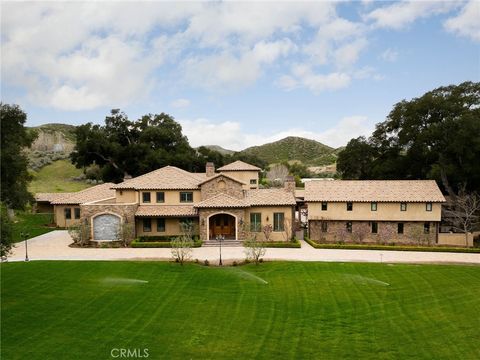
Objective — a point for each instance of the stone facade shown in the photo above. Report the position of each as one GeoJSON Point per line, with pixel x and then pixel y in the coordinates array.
{"type": "Point", "coordinates": [125, 211]}
{"type": "Point", "coordinates": [222, 184]}
{"type": "Point", "coordinates": [205, 214]}
{"type": "Point", "coordinates": [413, 232]}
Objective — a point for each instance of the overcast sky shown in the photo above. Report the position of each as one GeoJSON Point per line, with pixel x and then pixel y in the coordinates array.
{"type": "Point", "coordinates": [235, 74]}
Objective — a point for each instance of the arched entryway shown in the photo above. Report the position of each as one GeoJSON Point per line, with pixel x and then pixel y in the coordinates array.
{"type": "Point", "coordinates": [222, 224]}
{"type": "Point", "coordinates": [106, 226]}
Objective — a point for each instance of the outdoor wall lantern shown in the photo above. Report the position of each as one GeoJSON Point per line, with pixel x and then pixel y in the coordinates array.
{"type": "Point", "coordinates": [267, 218]}
{"type": "Point", "coordinates": [241, 222]}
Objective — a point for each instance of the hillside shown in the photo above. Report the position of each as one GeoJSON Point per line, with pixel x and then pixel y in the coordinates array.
{"type": "Point", "coordinates": [309, 152]}
{"type": "Point", "coordinates": [54, 137]}
{"type": "Point", "coordinates": [219, 149]}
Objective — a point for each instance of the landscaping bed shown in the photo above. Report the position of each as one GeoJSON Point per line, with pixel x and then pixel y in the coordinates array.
{"type": "Point", "coordinates": [158, 244]}
{"type": "Point", "coordinates": [392, 247]}
{"type": "Point", "coordinates": [283, 244]}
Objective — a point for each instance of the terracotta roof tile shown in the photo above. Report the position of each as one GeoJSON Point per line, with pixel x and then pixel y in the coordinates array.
{"type": "Point", "coordinates": [50, 196]}
{"type": "Point", "coordinates": [166, 210]}
{"type": "Point", "coordinates": [373, 190]}
{"type": "Point", "coordinates": [239, 166]}
{"type": "Point", "coordinates": [270, 197]}
{"type": "Point", "coordinates": [166, 178]}
{"type": "Point", "coordinates": [94, 193]}
{"type": "Point", "coordinates": [222, 201]}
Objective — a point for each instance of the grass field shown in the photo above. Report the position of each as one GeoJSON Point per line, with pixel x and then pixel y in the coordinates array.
{"type": "Point", "coordinates": [33, 224]}
{"type": "Point", "coordinates": [82, 310]}
{"type": "Point", "coordinates": [57, 177]}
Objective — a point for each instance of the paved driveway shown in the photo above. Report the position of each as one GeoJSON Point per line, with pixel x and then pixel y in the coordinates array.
{"type": "Point", "coordinates": [54, 246]}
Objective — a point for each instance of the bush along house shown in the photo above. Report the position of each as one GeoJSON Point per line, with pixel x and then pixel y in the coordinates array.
{"type": "Point", "coordinates": [374, 211]}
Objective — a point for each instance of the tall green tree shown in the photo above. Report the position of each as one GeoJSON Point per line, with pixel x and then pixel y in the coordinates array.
{"type": "Point", "coordinates": [435, 136]}
{"type": "Point", "coordinates": [13, 160]}
{"type": "Point", "coordinates": [123, 147]}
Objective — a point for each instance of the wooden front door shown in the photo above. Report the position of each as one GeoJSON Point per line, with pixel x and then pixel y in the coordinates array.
{"type": "Point", "coordinates": [222, 224]}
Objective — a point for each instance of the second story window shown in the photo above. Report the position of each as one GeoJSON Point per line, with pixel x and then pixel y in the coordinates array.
{"type": "Point", "coordinates": [324, 205]}
{"type": "Point", "coordinates": [186, 197]}
{"type": "Point", "coordinates": [403, 206]}
{"type": "Point", "coordinates": [253, 181]}
{"type": "Point", "coordinates": [349, 206]}
{"type": "Point", "coordinates": [145, 197]}
{"type": "Point", "coordinates": [160, 197]}
{"type": "Point", "coordinates": [373, 206]}
{"type": "Point", "coordinates": [428, 206]}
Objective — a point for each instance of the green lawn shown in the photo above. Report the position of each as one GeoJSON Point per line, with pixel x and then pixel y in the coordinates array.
{"type": "Point", "coordinates": [33, 224]}
{"type": "Point", "coordinates": [282, 310]}
{"type": "Point", "coordinates": [57, 177]}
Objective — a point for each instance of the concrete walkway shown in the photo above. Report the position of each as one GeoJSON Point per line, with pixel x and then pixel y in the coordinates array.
{"type": "Point", "coordinates": [54, 246]}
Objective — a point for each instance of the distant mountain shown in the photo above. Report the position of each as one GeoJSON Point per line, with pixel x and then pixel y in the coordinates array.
{"type": "Point", "coordinates": [309, 152]}
{"type": "Point", "coordinates": [220, 149]}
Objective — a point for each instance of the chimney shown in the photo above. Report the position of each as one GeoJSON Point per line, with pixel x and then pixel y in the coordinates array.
{"type": "Point", "coordinates": [289, 184]}
{"type": "Point", "coordinates": [210, 169]}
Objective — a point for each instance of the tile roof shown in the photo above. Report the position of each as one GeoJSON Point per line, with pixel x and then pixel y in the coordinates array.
{"type": "Point", "coordinates": [239, 166]}
{"type": "Point", "coordinates": [94, 193]}
{"type": "Point", "coordinates": [222, 201]}
{"type": "Point", "coordinates": [50, 196]}
{"type": "Point", "coordinates": [207, 179]}
{"type": "Point", "coordinates": [166, 210]}
{"type": "Point", "coordinates": [373, 190]}
{"type": "Point", "coordinates": [269, 197]}
{"type": "Point", "coordinates": [166, 178]}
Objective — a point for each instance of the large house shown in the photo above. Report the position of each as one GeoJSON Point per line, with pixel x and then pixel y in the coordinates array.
{"type": "Point", "coordinates": [226, 203]}
{"type": "Point", "coordinates": [229, 203]}
{"type": "Point", "coordinates": [374, 210]}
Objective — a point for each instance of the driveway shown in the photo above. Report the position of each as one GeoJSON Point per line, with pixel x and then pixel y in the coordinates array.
{"type": "Point", "coordinates": [54, 246]}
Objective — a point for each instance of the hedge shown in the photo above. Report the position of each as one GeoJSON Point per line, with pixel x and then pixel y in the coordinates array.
{"type": "Point", "coordinates": [161, 238]}
{"type": "Point", "coordinates": [391, 247]}
{"type": "Point", "coordinates": [283, 244]}
{"type": "Point", "coordinates": [158, 244]}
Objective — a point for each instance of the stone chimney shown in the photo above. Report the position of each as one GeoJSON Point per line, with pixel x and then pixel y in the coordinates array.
{"type": "Point", "coordinates": [289, 184]}
{"type": "Point", "coordinates": [210, 169]}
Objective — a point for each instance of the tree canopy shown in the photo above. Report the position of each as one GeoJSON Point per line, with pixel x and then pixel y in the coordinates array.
{"type": "Point", "coordinates": [123, 147]}
{"type": "Point", "coordinates": [435, 136]}
{"type": "Point", "coordinates": [14, 139]}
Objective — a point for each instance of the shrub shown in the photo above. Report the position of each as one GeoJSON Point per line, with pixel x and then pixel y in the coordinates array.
{"type": "Point", "coordinates": [206, 262]}
{"type": "Point", "coordinates": [80, 233]}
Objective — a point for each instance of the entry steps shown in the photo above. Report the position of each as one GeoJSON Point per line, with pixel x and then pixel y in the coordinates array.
{"type": "Point", "coordinates": [225, 243]}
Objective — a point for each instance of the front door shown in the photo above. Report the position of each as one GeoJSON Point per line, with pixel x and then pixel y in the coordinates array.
{"type": "Point", "coordinates": [222, 224]}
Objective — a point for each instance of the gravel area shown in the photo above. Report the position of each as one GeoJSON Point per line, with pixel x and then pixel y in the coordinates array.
{"type": "Point", "coordinates": [54, 246]}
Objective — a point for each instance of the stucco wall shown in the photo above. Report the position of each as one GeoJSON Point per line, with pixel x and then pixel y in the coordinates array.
{"type": "Point", "coordinates": [59, 213]}
{"type": "Point", "coordinates": [385, 212]}
{"type": "Point", "coordinates": [454, 239]}
{"type": "Point", "coordinates": [126, 196]}
{"type": "Point", "coordinates": [412, 232]}
{"type": "Point", "coordinates": [212, 188]}
{"type": "Point", "coordinates": [245, 176]}
{"type": "Point", "coordinates": [172, 227]}
{"type": "Point", "coordinates": [172, 197]}
{"type": "Point", "coordinates": [267, 212]}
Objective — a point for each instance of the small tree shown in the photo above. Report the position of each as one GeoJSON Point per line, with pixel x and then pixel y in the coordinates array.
{"type": "Point", "coordinates": [254, 249]}
{"type": "Point", "coordinates": [267, 231]}
{"type": "Point", "coordinates": [341, 234]}
{"type": "Point", "coordinates": [464, 212]}
{"type": "Point", "coordinates": [125, 233]}
{"type": "Point", "coordinates": [417, 234]}
{"type": "Point", "coordinates": [80, 233]}
{"type": "Point", "coordinates": [182, 245]}
{"type": "Point", "coordinates": [360, 232]}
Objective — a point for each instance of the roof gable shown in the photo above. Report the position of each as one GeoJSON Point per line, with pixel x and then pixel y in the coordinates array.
{"type": "Point", "coordinates": [219, 176]}
{"type": "Point", "coordinates": [222, 201]}
{"type": "Point", "coordinates": [239, 166]}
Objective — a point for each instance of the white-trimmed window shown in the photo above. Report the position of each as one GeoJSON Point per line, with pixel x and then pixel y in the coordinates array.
{"type": "Point", "coordinates": [255, 222]}
{"type": "Point", "coordinates": [278, 222]}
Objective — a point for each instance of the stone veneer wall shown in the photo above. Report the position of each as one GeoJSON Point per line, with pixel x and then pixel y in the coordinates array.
{"type": "Point", "coordinates": [411, 232]}
{"type": "Point", "coordinates": [212, 188]}
{"type": "Point", "coordinates": [126, 211]}
{"type": "Point", "coordinates": [204, 214]}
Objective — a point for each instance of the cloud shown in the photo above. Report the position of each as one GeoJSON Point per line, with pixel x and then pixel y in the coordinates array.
{"type": "Point", "coordinates": [401, 14]}
{"type": "Point", "coordinates": [389, 55]}
{"type": "Point", "coordinates": [467, 22]}
{"type": "Point", "coordinates": [230, 135]}
{"type": "Point", "coordinates": [180, 103]}
{"type": "Point", "coordinates": [302, 76]}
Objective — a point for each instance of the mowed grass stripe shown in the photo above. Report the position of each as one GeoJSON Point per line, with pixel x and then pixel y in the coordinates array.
{"type": "Point", "coordinates": [73, 310]}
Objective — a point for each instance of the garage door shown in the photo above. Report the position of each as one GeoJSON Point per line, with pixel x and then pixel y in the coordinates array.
{"type": "Point", "coordinates": [105, 227]}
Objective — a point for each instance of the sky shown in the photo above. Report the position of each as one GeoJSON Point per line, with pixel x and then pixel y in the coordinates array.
{"type": "Point", "coordinates": [235, 74]}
